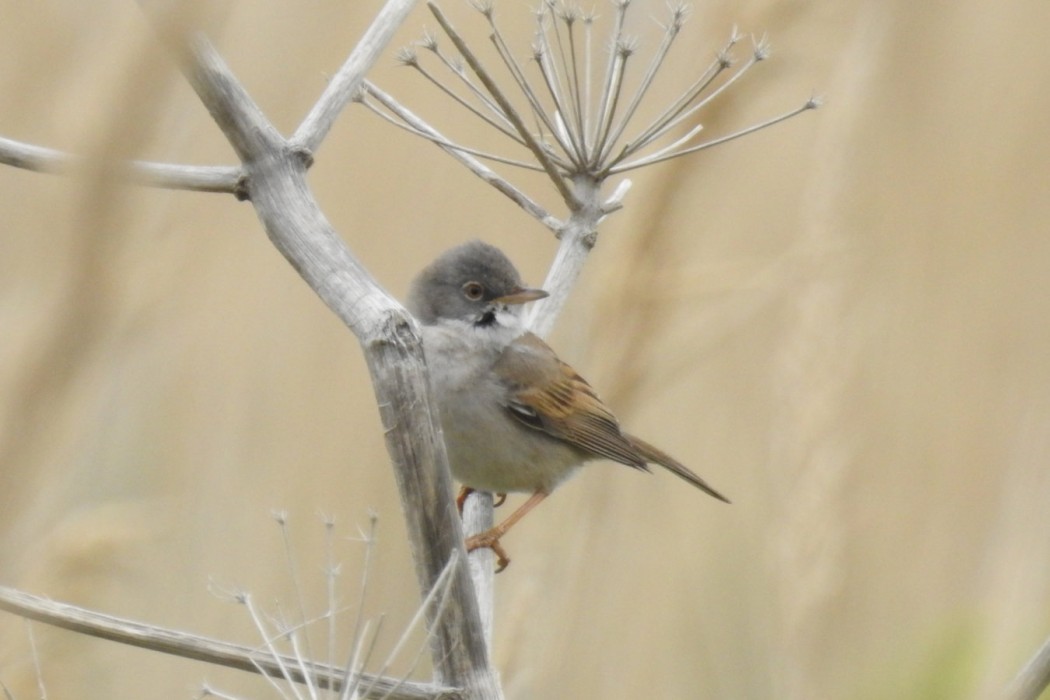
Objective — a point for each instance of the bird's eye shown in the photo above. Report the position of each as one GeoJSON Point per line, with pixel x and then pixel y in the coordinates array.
{"type": "Point", "coordinates": [473, 291]}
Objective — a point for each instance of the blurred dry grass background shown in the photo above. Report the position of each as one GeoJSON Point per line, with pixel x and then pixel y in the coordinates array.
{"type": "Point", "coordinates": [841, 322]}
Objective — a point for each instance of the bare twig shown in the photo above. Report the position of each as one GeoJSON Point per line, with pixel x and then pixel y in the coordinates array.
{"type": "Point", "coordinates": [433, 605]}
{"type": "Point", "coordinates": [285, 665]}
{"type": "Point", "coordinates": [357, 660]}
{"type": "Point", "coordinates": [281, 518]}
{"type": "Point", "coordinates": [579, 134]}
{"type": "Point", "coordinates": [200, 178]}
{"type": "Point", "coordinates": [508, 110]}
{"type": "Point", "coordinates": [499, 122]}
{"type": "Point", "coordinates": [476, 167]}
{"type": "Point", "coordinates": [191, 646]}
{"type": "Point", "coordinates": [445, 143]}
{"type": "Point", "coordinates": [40, 686]}
{"type": "Point", "coordinates": [674, 151]}
{"type": "Point", "coordinates": [331, 573]}
{"type": "Point", "coordinates": [345, 84]}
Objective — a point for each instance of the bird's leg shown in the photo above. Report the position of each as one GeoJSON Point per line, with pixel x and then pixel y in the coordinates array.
{"type": "Point", "coordinates": [501, 498]}
{"type": "Point", "coordinates": [490, 538]}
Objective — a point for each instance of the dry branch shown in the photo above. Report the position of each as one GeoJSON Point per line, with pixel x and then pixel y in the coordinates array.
{"type": "Point", "coordinates": [284, 203]}
{"type": "Point", "coordinates": [199, 178]}
{"type": "Point", "coordinates": [393, 350]}
{"type": "Point", "coordinates": [191, 646]}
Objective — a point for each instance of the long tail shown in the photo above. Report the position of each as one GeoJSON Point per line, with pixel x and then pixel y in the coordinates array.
{"type": "Point", "coordinates": [653, 454]}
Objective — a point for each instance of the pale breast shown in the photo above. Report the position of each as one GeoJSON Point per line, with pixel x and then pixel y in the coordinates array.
{"type": "Point", "coordinates": [487, 448]}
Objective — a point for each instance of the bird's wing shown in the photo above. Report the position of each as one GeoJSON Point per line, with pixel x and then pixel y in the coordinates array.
{"type": "Point", "coordinates": [548, 395]}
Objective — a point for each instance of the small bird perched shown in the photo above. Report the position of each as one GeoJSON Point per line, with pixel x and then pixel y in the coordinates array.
{"type": "Point", "coordinates": [514, 416]}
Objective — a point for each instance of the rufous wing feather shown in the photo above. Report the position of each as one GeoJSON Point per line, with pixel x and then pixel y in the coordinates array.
{"type": "Point", "coordinates": [546, 394]}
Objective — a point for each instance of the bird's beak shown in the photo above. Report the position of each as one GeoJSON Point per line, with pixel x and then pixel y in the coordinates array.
{"type": "Point", "coordinates": [521, 296]}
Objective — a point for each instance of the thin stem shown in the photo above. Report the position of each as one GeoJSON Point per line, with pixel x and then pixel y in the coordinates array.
{"type": "Point", "coordinates": [575, 86]}
{"type": "Point", "coordinates": [490, 85]}
{"type": "Point", "coordinates": [617, 37]}
{"type": "Point", "coordinates": [446, 144]}
{"type": "Point", "coordinates": [570, 108]}
{"type": "Point", "coordinates": [650, 160]}
{"type": "Point", "coordinates": [442, 601]}
{"type": "Point", "coordinates": [456, 68]}
{"type": "Point", "coordinates": [610, 100]}
{"type": "Point", "coordinates": [564, 130]}
{"type": "Point", "coordinates": [291, 633]}
{"type": "Point", "coordinates": [352, 673]}
{"type": "Point", "coordinates": [730, 81]}
{"type": "Point", "coordinates": [282, 662]}
{"type": "Point", "coordinates": [197, 178]}
{"type": "Point", "coordinates": [41, 688]}
{"type": "Point", "coordinates": [517, 196]}
{"type": "Point", "coordinates": [722, 62]}
{"type": "Point", "coordinates": [293, 572]}
{"type": "Point", "coordinates": [347, 81]}
{"type": "Point", "coordinates": [509, 132]}
{"type": "Point", "coordinates": [585, 105]}
{"type": "Point", "coordinates": [182, 644]}
{"type": "Point", "coordinates": [670, 33]}
{"type": "Point", "coordinates": [615, 200]}
{"type": "Point", "coordinates": [359, 620]}
{"type": "Point", "coordinates": [331, 573]}
{"type": "Point", "coordinates": [438, 593]}
{"type": "Point", "coordinates": [677, 143]}
{"type": "Point", "coordinates": [535, 104]}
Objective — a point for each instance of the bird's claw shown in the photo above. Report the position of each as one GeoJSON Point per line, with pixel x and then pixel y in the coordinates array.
{"type": "Point", "coordinates": [489, 540]}
{"type": "Point", "coordinates": [465, 491]}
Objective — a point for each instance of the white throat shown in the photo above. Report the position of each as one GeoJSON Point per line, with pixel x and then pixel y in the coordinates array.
{"type": "Point", "coordinates": [503, 325]}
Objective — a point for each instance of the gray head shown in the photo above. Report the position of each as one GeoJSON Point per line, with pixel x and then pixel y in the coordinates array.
{"type": "Point", "coordinates": [470, 282]}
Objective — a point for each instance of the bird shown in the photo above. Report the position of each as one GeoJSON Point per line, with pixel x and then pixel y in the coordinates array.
{"type": "Point", "coordinates": [514, 417]}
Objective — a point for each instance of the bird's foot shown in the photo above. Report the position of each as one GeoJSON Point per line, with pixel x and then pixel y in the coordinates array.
{"type": "Point", "coordinates": [465, 491]}
{"type": "Point", "coordinates": [490, 540]}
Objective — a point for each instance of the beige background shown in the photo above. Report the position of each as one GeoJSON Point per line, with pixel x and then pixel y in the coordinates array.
{"type": "Point", "coordinates": [841, 322]}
